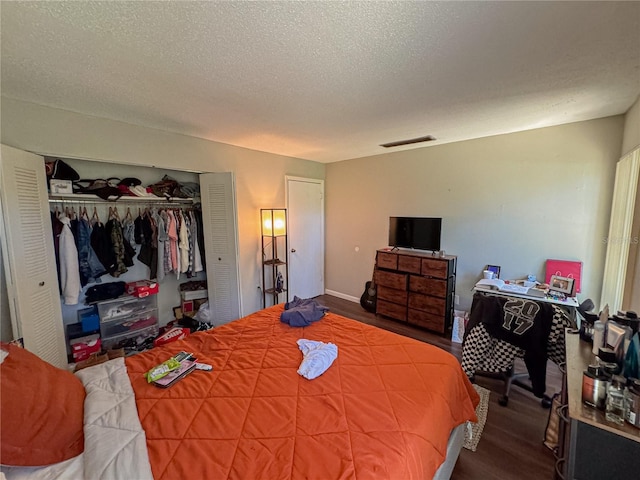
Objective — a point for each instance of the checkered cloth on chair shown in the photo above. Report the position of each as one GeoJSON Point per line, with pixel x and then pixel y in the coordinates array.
{"type": "Point", "coordinates": [482, 352]}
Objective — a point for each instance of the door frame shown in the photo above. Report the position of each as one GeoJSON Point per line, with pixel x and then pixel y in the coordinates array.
{"type": "Point", "coordinates": [318, 181]}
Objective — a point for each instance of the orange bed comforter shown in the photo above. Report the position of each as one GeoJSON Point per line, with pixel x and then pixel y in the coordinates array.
{"type": "Point", "coordinates": [384, 409]}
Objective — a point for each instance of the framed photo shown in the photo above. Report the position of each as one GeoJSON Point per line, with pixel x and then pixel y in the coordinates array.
{"type": "Point", "coordinates": [495, 269]}
{"type": "Point", "coordinates": [562, 284]}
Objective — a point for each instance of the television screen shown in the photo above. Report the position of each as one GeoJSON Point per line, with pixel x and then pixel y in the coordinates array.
{"type": "Point", "coordinates": [415, 232]}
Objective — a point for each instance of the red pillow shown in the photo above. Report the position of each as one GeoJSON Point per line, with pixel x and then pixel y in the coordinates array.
{"type": "Point", "coordinates": [41, 410]}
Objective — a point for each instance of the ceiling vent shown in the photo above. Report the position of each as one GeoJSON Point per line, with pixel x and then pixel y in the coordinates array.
{"type": "Point", "coordinates": [428, 138]}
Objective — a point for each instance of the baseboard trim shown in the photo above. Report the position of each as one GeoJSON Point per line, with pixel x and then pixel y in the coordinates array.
{"type": "Point", "coordinates": [344, 296]}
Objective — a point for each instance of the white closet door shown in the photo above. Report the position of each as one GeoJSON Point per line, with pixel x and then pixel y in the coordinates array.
{"type": "Point", "coordinates": [30, 265]}
{"type": "Point", "coordinates": [619, 239]}
{"type": "Point", "coordinates": [219, 217]}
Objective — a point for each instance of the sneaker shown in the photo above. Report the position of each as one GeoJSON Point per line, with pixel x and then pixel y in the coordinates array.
{"type": "Point", "coordinates": [117, 312]}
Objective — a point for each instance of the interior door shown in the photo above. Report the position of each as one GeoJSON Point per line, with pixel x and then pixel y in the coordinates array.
{"type": "Point", "coordinates": [219, 217]}
{"type": "Point", "coordinates": [305, 215]}
{"type": "Point", "coordinates": [29, 259]}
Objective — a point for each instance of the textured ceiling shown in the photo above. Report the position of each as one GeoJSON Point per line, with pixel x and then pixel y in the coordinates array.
{"type": "Point", "coordinates": [325, 81]}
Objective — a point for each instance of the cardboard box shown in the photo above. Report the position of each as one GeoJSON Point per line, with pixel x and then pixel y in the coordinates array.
{"type": "Point", "coordinates": [61, 186]}
{"type": "Point", "coordinates": [172, 335]}
{"type": "Point", "coordinates": [82, 347]}
{"type": "Point", "coordinates": [89, 319]}
{"type": "Point", "coordinates": [191, 301]}
{"type": "Point", "coordinates": [142, 288]}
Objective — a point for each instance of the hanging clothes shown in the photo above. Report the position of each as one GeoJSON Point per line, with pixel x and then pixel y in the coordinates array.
{"type": "Point", "coordinates": [197, 211]}
{"type": "Point", "coordinates": [69, 268]}
{"type": "Point", "coordinates": [121, 254]}
{"type": "Point", "coordinates": [144, 233]}
{"type": "Point", "coordinates": [161, 240]}
{"type": "Point", "coordinates": [167, 246]}
{"type": "Point", "coordinates": [89, 265]}
{"type": "Point", "coordinates": [173, 243]}
{"type": "Point", "coordinates": [194, 247]}
{"type": "Point", "coordinates": [101, 244]}
{"type": "Point", "coordinates": [183, 243]}
{"type": "Point", "coordinates": [128, 228]}
{"type": "Point", "coordinates": [56, 226]}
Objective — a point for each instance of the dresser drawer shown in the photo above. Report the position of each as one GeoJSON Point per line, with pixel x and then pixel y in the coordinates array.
{"type": "Point", "coordinates": [428, 286]}
{"type": "Point", "coordinates": [387, 260]}
{"type": "Point", "coordinates": [426, 303]}
{"type": "Point", "coordinates": [393, 310]}
{"type": "Point", "coordinates": [435, 268]}
{"type": "Point", "coordinates": [392, 295]}
{"type": "Point", "coordinates": [391, 279]}
{"type": "Point", "coordinates": [407, 263]}
{"type": "Point", "coordinates": [426, 320]}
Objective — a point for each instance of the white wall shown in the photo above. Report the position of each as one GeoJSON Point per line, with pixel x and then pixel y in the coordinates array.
{"type": "Point", "coordinates": [511, 200]}
{"type": "Point", "coordinates": [259, 176]}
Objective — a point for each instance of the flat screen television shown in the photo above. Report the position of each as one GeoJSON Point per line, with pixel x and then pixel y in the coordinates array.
{"type": "Point", "coordinates": [415, 232]}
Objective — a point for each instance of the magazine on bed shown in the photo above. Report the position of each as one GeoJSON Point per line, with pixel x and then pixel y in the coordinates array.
{"type": "Point", "coordinates": [186, 367]}
{"type": "Point", "coordinates": [502, 286]}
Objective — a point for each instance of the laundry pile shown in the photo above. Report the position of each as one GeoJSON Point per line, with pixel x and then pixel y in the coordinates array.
{"type": "Point", "coordinates": [302, 312]}
{"type": "Point", "coordinates": [317, 357]}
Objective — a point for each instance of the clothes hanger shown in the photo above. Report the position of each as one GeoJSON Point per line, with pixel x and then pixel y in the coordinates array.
{"type": "Point", "coordinates": [95, 218]}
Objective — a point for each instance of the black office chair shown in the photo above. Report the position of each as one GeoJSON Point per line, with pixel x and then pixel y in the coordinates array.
{"type": "Point", "coordinates": [485, 356]}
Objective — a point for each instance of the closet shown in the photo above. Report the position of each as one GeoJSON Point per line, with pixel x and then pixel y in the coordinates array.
{"type": "Point", "coordinates": [28, 252]}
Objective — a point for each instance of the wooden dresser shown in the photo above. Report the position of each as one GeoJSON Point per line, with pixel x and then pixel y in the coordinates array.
{"type": "Point", "coordinates": [417, 288]}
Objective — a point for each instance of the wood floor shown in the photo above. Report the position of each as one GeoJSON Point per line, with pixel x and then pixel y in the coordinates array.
{"type": "Point", "coordinates": [511, 444]}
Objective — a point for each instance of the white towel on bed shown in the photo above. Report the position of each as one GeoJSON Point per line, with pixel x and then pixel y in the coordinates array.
{"type": "Point", "coordinates": [317, 357]}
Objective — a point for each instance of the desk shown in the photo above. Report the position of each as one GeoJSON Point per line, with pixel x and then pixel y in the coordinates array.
{"type": "Point", "coordinates": [595, 448]}
{"type": "Point", "coordinates": [571, 303]}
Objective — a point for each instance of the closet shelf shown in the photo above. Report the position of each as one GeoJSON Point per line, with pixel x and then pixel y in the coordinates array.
{"type": "Point", "coordinates": [90, 198]}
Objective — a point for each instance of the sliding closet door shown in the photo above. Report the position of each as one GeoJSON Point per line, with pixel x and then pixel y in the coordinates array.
{"type": "Point", "coordinates": [620, 238]}
{"type": "Point", "coordinates": [30, 266]}
{"type": "Point", "coordinates": [221, 245]}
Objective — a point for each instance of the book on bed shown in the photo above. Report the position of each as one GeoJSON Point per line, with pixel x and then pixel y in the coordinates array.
{"type": "Point", "coordinates": [186, 367]}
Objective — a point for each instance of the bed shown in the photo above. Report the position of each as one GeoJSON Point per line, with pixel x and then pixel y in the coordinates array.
{"type": "Point", "coordinates": [388, 407]}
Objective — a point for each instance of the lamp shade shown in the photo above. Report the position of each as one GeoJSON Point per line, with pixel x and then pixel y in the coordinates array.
{"type": "Point", "coordinates": [274, 222]}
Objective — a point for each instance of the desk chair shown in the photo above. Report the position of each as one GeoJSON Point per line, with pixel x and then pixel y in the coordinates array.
{"type": "Point", "coordinates": [487, 356]}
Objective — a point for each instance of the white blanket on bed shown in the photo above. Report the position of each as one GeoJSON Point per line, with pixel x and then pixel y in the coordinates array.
{"type": "Point", "coordinates": [115, 443]}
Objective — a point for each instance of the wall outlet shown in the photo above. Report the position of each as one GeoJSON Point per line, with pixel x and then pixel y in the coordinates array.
{"type": "Point", "coordinates": [457, 299]}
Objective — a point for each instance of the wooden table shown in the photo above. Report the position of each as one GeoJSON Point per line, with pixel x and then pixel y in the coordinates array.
{"type": "Point", "coordinates": [597, 449]}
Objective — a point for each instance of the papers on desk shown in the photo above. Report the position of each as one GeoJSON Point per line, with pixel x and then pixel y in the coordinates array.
{"type": "Point", "coordinates": [502, 286]}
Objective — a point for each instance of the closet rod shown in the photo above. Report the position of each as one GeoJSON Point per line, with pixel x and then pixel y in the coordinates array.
{"type": "Point", "coordinates": [176, 203]}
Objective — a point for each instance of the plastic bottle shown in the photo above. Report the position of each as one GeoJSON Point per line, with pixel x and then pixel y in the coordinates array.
{"type": "Point", "coordinates": [598, 336]}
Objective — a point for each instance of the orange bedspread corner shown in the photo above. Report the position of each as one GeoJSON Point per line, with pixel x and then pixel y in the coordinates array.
{"type": "Point", "coordinates": [384, 409]}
